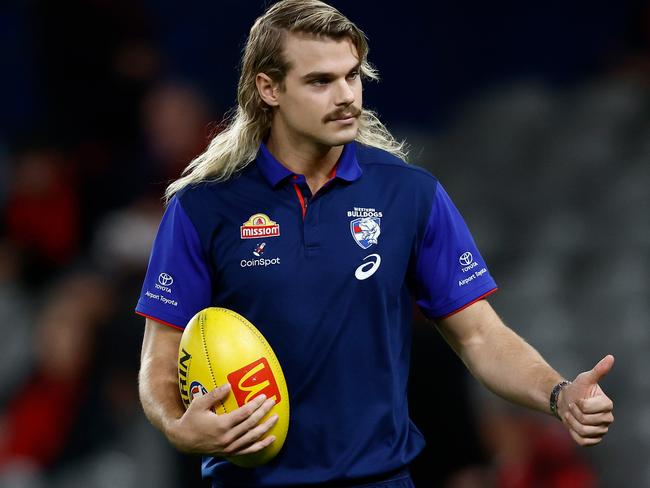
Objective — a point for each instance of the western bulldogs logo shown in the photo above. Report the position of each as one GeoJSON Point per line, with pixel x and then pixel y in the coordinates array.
{"type": "Point", "coordinates": [365, 231]}
{"type": "Point", "coordinates": [197, 390]}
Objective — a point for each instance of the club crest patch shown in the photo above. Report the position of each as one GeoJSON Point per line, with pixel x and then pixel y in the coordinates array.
{"type": "Point", "coordinates": [365, 231]}
{"type": "Point", "coordinates": [197, 390]}
{"type": "Point", "coordinates": [259, 226]}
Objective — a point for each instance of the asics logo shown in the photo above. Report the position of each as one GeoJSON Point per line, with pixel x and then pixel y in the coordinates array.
{"type": "Point", "coordinates": [367, 269]}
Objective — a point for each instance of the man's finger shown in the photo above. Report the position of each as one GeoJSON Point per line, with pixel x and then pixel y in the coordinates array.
{"type": "Point", "coordinates": [253, 435]}
{"type": "Point", "coordinates": [258, 446]}
{"type": "Point", "coordinates": [584, 441]}
{"type": "Point", "coordinates": [597, 404]}
{"type": "Point", "coordinates": [239, 415]}
{"type": "Point", "coordinates": [596, 419]}
{"type": "Point", "coordinates": [211, 398]}
{"type": "Point", "coordinates": [600, 418]}
{"type": "Point", "coordinates": [585, 431]}
{"type": "Point", "coordinates": [250, 422]}
{"type": "Point", "coordinates": [603, 367]}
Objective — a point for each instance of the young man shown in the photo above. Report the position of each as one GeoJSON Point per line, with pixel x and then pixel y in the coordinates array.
{"type": "Point", "coordinates": [355, 233]}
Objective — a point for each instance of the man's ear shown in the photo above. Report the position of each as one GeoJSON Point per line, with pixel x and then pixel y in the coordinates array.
{"type": "Point", "coordinates": [268, 89]}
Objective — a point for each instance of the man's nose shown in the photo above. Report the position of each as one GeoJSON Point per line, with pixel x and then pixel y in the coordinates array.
{"type": "Point", "coordinates": [345, 94]}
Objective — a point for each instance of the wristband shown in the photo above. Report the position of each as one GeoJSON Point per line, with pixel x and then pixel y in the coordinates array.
{"type": "Point", "coordinates": [554, 394]}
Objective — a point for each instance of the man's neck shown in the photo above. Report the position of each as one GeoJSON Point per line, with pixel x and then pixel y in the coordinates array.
{"type": "Point", "coordinates": [314, 162]}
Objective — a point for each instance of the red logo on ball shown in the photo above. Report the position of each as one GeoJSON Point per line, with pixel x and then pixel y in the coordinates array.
{"type": "Point", "coordinates": [252, 380]}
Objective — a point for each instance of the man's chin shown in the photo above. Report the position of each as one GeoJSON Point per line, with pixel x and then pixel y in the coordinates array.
{"type": "Point", "coordinates": [343, 137]}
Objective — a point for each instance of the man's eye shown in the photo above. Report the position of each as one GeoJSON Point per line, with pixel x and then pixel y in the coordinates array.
{"type": "Point", "coordinates": [320, 81]}
{"type": "Point", "coordinates": [353, 75]}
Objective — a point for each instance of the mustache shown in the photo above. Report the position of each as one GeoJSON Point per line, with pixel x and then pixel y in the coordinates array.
{"type": "Point", "coordinates": [350, 111]}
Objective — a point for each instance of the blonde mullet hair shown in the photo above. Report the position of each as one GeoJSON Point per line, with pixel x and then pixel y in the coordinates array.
{"type": "Point", "coordinates": [237, 144]}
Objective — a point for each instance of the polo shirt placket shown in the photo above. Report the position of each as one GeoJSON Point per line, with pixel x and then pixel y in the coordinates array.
{"type": "Point", "coordinates": [346, 169]}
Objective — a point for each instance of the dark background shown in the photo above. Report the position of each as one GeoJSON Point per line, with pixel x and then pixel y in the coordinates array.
{"type": "Point", "coordinates": [443, 51]}
{"type": "Point", "coordinates": [535, 116]}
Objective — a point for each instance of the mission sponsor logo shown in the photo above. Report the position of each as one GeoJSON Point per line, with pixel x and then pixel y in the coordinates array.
{"type": "Point", "coordinates": [259, 226]}
{"type": "Point", "coordinates": [252, 380]}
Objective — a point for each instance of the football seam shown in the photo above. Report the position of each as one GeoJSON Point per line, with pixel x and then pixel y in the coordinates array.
{"type": "Point", "coordinates": [271, 353]}
{"type": "Point", "coordinates": [258, 334]}
{"type": "Point", "coordinates": [267, 346]}
{"type": "Point", "coordinates": [207, 357]}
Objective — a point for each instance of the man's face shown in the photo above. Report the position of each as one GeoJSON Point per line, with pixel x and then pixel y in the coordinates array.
{"type": "Point", "coordinates": [321, 100]}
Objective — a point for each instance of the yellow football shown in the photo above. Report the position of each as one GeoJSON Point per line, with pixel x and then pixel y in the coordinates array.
{"type": "Point", "coordinates": [220, 346]}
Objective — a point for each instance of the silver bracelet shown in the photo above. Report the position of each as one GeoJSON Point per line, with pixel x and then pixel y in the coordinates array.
{"type": "Point", "coordinates": [554, 394]}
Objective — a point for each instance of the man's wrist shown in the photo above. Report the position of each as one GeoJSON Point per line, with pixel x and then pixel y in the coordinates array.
{"type": "Point", "coordinates": [555, 395]}
{"type": "Point", "coordinates": [170, 428]}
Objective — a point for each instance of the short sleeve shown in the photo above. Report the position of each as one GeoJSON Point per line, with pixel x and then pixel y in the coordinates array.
{"type": "Point", "coordinates": [450, 272]}
{"type": "Point", "coordinates": [178, 282]}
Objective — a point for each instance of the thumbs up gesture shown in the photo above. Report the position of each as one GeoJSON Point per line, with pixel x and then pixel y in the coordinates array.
{"type": "Point", "coordinates": [583, 406]}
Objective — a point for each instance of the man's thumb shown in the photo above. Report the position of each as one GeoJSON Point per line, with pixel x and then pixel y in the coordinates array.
{"type": "Point", "coordinates": [603, 367]}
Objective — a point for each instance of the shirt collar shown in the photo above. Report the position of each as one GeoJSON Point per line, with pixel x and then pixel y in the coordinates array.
{"type": "Point", "coordinates": [347, 167]}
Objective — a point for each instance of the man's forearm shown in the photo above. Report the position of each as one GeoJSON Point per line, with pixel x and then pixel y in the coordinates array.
{"type": "Point", "coordinates": [159, 396]}
{"type": "Point", "coordinates": [512, 368]}
{"type": "Point", "coordinates": [158, 378]}
{"type": "Point", "coordinates": [499, 358]}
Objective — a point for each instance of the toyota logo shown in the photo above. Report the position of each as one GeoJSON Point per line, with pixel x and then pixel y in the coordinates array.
{"type": "Point", "coordinates": [466, 258]}
{"type": "Point", "coordinates": [165, 280]}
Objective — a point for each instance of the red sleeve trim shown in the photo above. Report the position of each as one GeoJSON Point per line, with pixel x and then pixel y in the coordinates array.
{"type": "Point", "coordinates": [158, 320]}
{"type": "Point", "coordinates": [470, 303]}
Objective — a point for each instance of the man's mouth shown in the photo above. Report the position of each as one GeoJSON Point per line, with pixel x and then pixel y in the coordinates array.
{"type": "Point", "coordinates": [346, 116]}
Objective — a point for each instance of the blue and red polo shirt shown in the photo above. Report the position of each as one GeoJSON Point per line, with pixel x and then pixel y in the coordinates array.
{"type": "Point", "coordinates": [328, 280]}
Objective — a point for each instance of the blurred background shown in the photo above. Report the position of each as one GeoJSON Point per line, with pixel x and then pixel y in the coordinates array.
{"type": "Point", "coordinates": [534, 115]}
